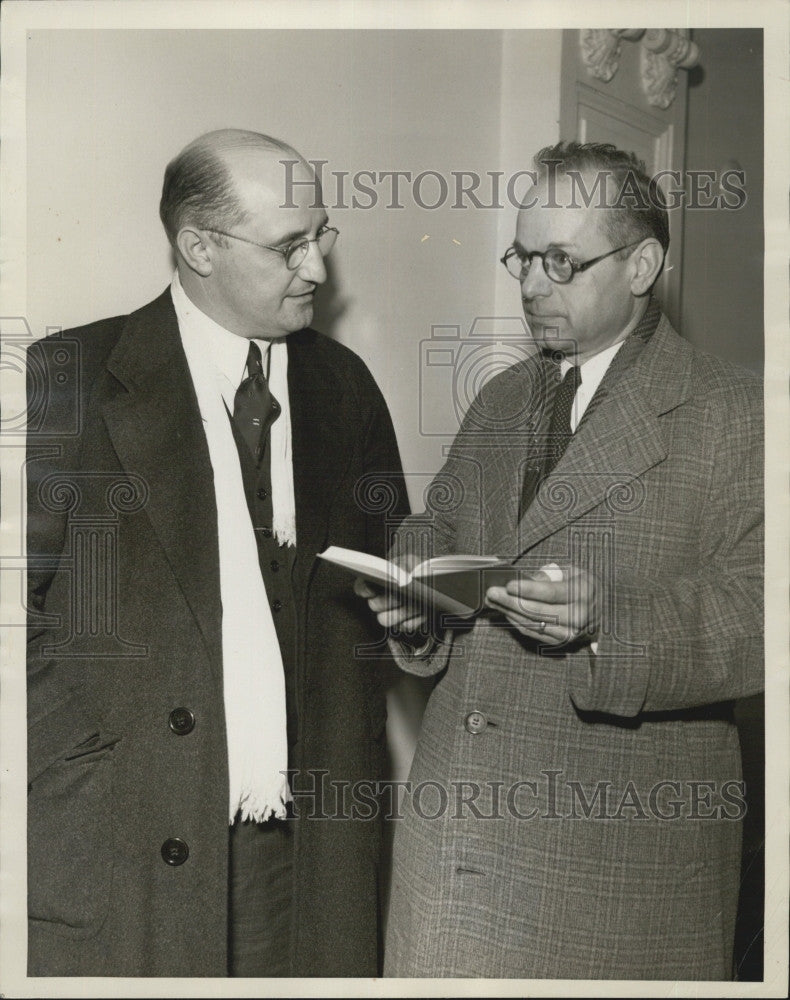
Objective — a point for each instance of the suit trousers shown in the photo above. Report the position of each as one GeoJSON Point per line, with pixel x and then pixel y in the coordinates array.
{"type": "Point", "coordinates": [260, 886]}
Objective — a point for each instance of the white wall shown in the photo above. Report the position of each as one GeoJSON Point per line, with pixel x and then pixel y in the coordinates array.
{"type": "Point", "coordinates": [108, 109]}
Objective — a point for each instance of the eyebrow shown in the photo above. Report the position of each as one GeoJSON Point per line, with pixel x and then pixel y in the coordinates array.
{"type": "Point", "coordinates": [297, 233]}
{"type": "Point", "coordinates": [552, 246]}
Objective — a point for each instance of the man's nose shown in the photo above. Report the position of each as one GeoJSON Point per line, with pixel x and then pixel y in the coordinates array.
{"type": "Point", "coordinates": [313, 267]}
{"type": "Point", "coordinates": [536, 282]}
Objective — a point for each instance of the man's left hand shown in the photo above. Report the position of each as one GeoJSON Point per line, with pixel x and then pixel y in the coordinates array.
{"type": "Point", "coordinates": [551, 612]}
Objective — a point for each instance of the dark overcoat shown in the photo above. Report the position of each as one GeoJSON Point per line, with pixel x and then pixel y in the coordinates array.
{"type": "Point", "coordinates": [125, 627]}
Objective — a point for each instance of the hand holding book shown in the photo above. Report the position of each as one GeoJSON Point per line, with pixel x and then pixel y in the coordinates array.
{"type": "Point", "coordinates": [553, 607]}
{"type": "Point", "coordinates": [389, 606]}
{"type": "Point", "coordinates": [456, 584]}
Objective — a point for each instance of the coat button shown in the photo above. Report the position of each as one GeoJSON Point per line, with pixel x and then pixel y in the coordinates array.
{"type": "Point", "coordinates": [277, 604]}
{"type": "Point", "coordinates": [266, 532]}
{"type": "Point", "coordinates": [182, 721]}
{"type": "Point", "coordinates": [274, 565]}
{"type": "Point", "coordinates": [475, 722]}
{"type": "Point", "coordinates": [175, 851]}
{"type": "Point", "coordinates": [262, 493]}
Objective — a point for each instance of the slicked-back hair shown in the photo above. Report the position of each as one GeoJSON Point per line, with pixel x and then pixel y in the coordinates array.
{"type": "Point", "coordinates": [635, 207]}
{"type": "Point", "coordinates": [198, 187]}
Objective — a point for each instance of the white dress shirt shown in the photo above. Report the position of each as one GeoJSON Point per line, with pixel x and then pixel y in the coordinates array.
{"type": "Point", "coordinates": [592, 372]}
{"type": "Point", "coordinates": [252, 667]}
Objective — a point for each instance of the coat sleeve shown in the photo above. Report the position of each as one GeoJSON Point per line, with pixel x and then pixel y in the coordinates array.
{"type": "Point", "coordinates": [59, 713]}
{"type": "Point", "coordinates": [697, 638]}
{"type": "Point", "coordinates": [382, 490]}
{"type": "Point", "coordinates": [433, 533]}
{"type": "Point", "coordinates": [52, 447]}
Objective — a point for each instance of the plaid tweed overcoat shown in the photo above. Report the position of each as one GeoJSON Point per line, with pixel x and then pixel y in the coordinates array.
{"type": "Point", "coordinates": [578, 815]}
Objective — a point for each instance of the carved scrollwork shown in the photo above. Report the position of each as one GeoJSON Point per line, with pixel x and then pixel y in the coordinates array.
{"type": "Point", "coordinates": [600, 52]}
{"type": "Point", "coordinates": [659, 79]}
{"type": "Point", "coordinates": [674, 47]}
{"type": "Point", "coordinates": [662, 52]}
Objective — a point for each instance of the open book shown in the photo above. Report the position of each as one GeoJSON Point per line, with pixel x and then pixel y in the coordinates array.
{"type": "Point", "coordinates": [454, 583]}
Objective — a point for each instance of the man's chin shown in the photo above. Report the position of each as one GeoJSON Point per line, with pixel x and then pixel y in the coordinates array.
{"type": "Point", "coordinates": [299, 316]}
{"type": "Point", "coordinates": [551, 340]}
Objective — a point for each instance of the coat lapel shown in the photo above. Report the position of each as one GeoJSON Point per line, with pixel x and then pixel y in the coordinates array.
{"type": "Point", "coordinates": [617, 440]}
{"type": "Point", "coordinates": [511, 445]}
{"type": "Point", "coordinates": [156, 430]}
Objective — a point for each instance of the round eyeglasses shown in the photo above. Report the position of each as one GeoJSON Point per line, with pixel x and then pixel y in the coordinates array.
{"type": "Point", "coordinates": [295, 253]}
{"type": "Point", "coordinates": [557, 264]}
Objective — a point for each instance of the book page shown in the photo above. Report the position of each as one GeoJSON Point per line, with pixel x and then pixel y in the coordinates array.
{"type": "Point", "coordinates": [372, 567]}
{"type": "Point", "coordinates": [453, 564]}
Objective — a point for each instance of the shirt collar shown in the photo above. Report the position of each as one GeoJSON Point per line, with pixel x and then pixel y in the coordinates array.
{"type": "Point", "coordinates": [224, 350]}
{"type": "Point", "coordinates": [594, 368]}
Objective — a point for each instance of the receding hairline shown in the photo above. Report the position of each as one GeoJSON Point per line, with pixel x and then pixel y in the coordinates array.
{"type": "Point", "coordinates": [206, 177]}
{"type": "Point", "coordinates": [227, 140]}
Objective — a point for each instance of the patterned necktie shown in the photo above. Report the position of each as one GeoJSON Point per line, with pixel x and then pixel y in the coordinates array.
{"type": "Point", "coordinates": [560, 431]}
{"type": "Point", "coordinates": [254, 407]}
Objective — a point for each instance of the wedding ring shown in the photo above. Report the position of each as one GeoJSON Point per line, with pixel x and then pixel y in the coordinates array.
{"type": "Point", "coordinates": [542, 627]}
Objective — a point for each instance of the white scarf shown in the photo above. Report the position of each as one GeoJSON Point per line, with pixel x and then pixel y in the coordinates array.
{"type": "Point", "coordinates": [252, 667]}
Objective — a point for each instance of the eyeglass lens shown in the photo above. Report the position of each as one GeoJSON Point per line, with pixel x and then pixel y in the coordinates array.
{"type": "Point", "coordinates": [297, 253]}
{"type": "Point", "coordinates": [556, 264]}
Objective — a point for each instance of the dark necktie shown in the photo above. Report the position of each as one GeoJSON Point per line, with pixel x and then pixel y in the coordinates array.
{"type": "Point", "coordinates": [254, 407]}
{"type": "Point", "coordinates": [560, 431]}
{"type": "Point", "coordinates": [552, 441]}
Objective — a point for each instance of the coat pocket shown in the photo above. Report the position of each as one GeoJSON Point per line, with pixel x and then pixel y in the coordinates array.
{"type": "Point", "coordinates": [70, 843]}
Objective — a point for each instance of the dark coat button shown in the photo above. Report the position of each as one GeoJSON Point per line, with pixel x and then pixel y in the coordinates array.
{"type": "Point", "coordinates": [175, 851]}
{"type": "Point", "coordinates": [182, 721]}
{"type": "Point", "coordinates": [274, 565]}
{"type": "Point", "coordinates": [266, 532]}
{"type": "Point", "coordinates": [277, 604]}
{"type": "Point", "coordinates": [475, 722]}
{"type": "Point", "coordinates": [262, 493]}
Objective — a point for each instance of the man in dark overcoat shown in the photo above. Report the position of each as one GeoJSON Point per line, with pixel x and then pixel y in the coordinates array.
{"type": "Point", "coordinates": [193, 683]}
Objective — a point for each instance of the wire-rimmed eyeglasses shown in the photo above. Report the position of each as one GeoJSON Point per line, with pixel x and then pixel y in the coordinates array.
{"type": "Point", "coordinates": [295, 253]}
{"type": "Point", "coordinates": [558, 265]}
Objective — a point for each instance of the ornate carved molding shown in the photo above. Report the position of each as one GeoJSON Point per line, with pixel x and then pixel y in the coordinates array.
{"type": "Point", "coordinates": [662, 52]}
{"type": "Point", "coordinates": [600, 52]}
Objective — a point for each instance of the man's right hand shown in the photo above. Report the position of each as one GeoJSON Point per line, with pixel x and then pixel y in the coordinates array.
{"type": "Point", "coordinates": [388, 605]}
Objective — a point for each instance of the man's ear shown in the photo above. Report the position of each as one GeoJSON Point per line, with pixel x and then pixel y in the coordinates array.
{"type": "Point", "coordinates": [647, 262]}
{"type": "Point", "coordinates": [195, 251]}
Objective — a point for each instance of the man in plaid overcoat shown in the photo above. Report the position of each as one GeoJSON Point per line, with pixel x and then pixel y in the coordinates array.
{"type": "Point", "coordinates": [576, 794]}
